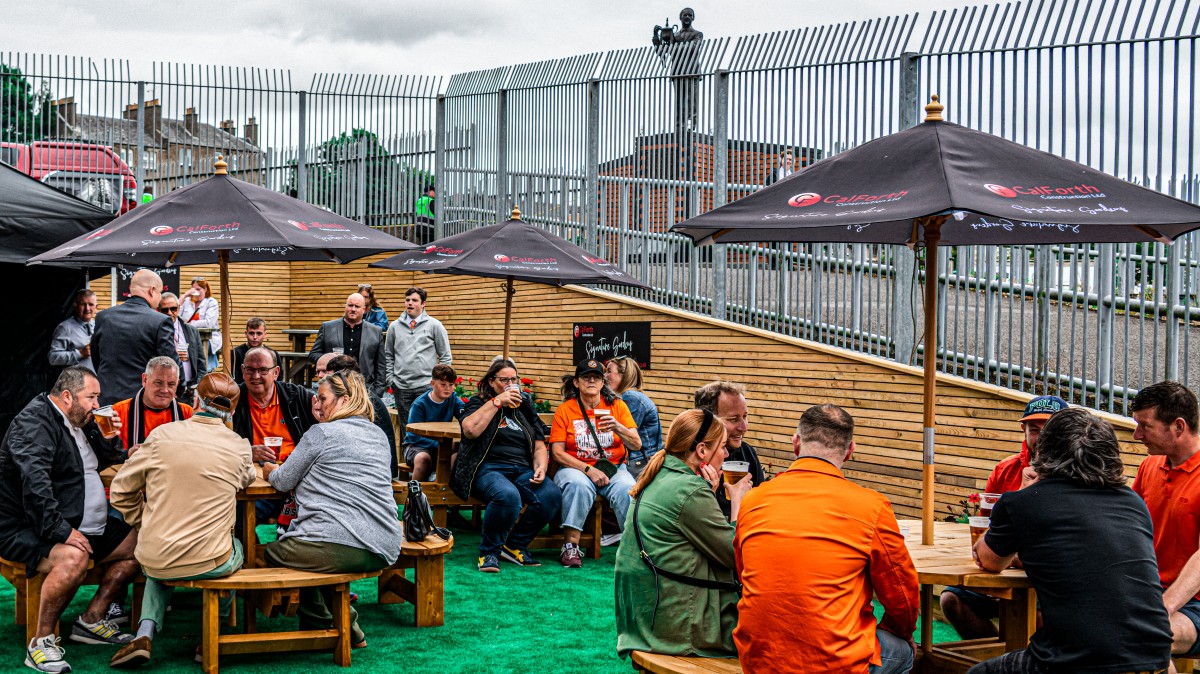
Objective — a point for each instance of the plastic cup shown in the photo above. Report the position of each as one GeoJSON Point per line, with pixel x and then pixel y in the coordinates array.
{"type": "Point", "coordinates": [339, 350]}
{"type": "Point", "coordinates": [979, 526]}
{"type": "Point", "coordinates": [516, 388]}
{"type": "Point", "coordinates": [273, 443]}
{"type": "Point", "coordinates": [104, 419]}
{"type": "Point", "coordinates": [987, 501]}
{"type": "Point", "coordinates": [735, 470]}
{"type": "Point", "coordinates": [904, 529]}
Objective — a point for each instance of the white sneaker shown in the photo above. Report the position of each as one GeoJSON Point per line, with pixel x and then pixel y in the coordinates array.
{"type": "Point", "coordinates": [610, 539]}
{"type": "Point", "coordinates": [45, 655]}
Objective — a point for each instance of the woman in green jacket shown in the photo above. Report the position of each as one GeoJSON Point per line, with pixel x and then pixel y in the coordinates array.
{"type": "Point", "coordinates": [687, 603]}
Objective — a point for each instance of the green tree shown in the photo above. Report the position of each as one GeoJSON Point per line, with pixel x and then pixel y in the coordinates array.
{"type": "Point", "coordinates": [25, 114]}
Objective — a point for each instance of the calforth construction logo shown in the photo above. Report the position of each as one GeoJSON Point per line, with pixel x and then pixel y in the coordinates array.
{"type": "Point", "coordinates": [810, 198]}
{"type": "Point", "coordinates": [1080, 191]}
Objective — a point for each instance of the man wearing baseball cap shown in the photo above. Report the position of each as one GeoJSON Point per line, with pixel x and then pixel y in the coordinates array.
{"type": "Point", "coordinates": [970, 612]}
{"type": "Point", "coordinates": [179, 490]}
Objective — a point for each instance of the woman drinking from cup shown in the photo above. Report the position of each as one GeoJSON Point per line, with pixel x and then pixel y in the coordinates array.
{"type": "Point", "coordinates": [200, 309]}
{"type": "Point", "coordinates": [677, 524]}
{"type": "Point", "coordinates": [346, 513]}
{"type": "Point", "coordinates": [591, 433]}
{"type": "Point", "coordinates": [502, 462]}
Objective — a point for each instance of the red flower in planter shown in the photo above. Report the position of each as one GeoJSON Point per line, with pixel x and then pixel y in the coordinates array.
{"type": "Point", "coordinates": [458, 381]}
{"type": "Point", "coordinates": [527, 381]}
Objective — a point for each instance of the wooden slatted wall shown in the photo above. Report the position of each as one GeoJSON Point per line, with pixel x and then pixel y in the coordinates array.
{"type": "Point", "coordinates": [977, 423]}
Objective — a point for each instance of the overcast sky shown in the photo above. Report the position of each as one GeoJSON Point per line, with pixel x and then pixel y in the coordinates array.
{"type": "Point", "coordinates": [390, 36]}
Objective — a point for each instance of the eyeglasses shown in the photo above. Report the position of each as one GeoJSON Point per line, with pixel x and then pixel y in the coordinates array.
{"type": "Point", "coordinates": [508, 380]}
{"type": "Point", "coordinates": [168, 310]}
{"type": "Point", "coordinates": [260, 371]}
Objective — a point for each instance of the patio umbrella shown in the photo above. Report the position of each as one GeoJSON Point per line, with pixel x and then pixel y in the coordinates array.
{"type": "Point", "coordinates": [222, 219]}
{"type": "Point", "coordinates": [944, 183]}
{"type": "Point", "coordinates": [511, 250]}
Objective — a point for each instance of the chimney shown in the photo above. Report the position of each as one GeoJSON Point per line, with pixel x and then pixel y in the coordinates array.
{"type": "Point", "coordinates": [65, 117]}
{"type": "Point", "coordinates": [190, 121]}
{"type": "Point", "coordinates": [228, 126]}
{"type": "Point", "coordinates": [153, 119]}
{"type": "Point", "coordinates": [251, 131]}
{"type": "Point", "coordinates": [130, 112]}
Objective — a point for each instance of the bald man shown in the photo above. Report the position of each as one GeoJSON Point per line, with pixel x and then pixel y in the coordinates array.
{"type": "Point", "coordinates": [130, 334]}
{"type": "Point", "coordinates": [352, 336]}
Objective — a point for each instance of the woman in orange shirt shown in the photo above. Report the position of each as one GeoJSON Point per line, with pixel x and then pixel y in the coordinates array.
{"type": "Point", "coordinates": [591, 432]}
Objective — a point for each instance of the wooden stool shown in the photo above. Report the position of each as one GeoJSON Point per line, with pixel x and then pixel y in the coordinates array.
{"type": "Point", "coordinates": [672, 664]}
{"type": "Point", "coordinates": [427, 590]}
{"type": "Point", "coordinates": [1184, 665]}
{"type": "Point", "coordinates": [28, 594]}
{"type": "Point", "coordinates": [273, 581]}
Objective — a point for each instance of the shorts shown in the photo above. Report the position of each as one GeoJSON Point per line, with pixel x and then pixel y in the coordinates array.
{"type": "Point", "coordinates": [980, 604]}
{"type": "Point", "coordinates": [24, 545]}
{"type": "Point", "coordinates": [411, 452]}
{"type": "Point", "coordinates": [1192, 610]}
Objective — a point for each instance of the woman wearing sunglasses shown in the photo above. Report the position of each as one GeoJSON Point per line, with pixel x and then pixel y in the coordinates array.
{"type": "Point", "coordinates": [675, 571]}
{"type": "Point", "coordinates": [346, 513]}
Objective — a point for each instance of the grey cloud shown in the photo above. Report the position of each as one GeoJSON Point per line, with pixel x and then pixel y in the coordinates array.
{"type": "Point", "coordinates": [377, 23]}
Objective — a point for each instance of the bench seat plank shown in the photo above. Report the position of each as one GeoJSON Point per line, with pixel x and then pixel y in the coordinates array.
{"type": "Point", "coordinates": [673, 664]}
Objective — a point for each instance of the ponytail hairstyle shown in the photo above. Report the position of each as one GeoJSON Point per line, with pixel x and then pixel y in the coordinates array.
{"type": "Point", "coordinates": [682, 441]}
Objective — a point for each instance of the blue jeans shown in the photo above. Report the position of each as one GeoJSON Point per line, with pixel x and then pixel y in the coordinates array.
{"type": "Point", "coordinates": [579, 492]}
{"type": "Point", "coordinates": [895, 653]}
{"type": "Point", "coordinates": [504, 488]}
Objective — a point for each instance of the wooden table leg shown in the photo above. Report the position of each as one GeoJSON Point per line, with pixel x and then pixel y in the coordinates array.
{"type": "Point", "coordinates": [926, 619]}
{"type": "Point", "coordinates": [210, 644]}
{"type": "Point", "coordinates": [429, 576]}
{"type": "Point", "coordinates": [1020, 618]}
{"type": "Point", "coordinates": [249, 536]}
{"type": "Point", "coordinates": [341, 623]}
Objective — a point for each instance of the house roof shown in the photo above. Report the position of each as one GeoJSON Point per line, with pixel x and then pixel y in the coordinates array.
{"type": "Point", "coordinates": [96, 128]}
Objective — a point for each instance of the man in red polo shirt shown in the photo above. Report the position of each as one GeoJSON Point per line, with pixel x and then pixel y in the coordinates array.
{"type": "Point", "coordinates": [1167, 417]}
{"type": "Point", "coordinates": [971, 613]}
{"type": "Point", "coordinates": [153, 405]}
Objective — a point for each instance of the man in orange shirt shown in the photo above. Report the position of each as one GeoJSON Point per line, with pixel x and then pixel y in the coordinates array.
{"type": "Point", "coordinates": [971, 613]}
{"type": "Point", "coordinates": [812, 548]}
{"type": "Point", "coordinates": [1167, 417]}
{"type": "Point", "coordinates": [153, 405]}
{"type": "Point", "coordinates": [268, 408]}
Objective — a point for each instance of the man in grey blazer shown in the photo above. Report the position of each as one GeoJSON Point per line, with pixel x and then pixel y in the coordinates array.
{"type": "Point", "coordinates": [130, 334]}
{"type": "Point", "coordinates": [353, 336]}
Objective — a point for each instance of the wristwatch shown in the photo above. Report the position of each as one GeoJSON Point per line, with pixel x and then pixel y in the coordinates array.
{"type": "Point", "coordinates": [496, 402]}
{"type": "Point", "coordinates": [586, 469]}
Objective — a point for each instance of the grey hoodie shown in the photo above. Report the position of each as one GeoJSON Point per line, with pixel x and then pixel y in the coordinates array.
{"type": "Point", "coordinates": [411, 352]}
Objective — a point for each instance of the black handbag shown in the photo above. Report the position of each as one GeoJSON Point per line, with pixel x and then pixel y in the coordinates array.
{"type": "Point", "coordinates": [418, 516]}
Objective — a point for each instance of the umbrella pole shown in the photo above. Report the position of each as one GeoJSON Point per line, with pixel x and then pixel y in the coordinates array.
{"type": "Point", "coordinates": [508, 293]}
{"type": "Point", "coordinates": [933, 234]}
{"type": "Point", "coordinates": [226, 298]}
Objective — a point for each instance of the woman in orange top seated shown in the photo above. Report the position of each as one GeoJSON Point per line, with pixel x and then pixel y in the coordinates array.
{"type": "Point", "coordinates": [591, 432]}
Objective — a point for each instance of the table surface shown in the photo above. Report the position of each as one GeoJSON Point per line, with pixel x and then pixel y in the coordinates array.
{"type": "Point", "coordinates": [948, 561]}
{"type": "Point", "coordinates": [260, 488]}
{"type": "Point", "coordinates": [300, 331]}
{"type": "Point", "coordinates": [436, 429]}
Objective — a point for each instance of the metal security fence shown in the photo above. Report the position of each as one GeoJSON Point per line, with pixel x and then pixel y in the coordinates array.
{"type": "Point", "coordinates": [612, 149]}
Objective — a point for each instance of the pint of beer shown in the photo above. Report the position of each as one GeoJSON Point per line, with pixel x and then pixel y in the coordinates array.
{"type": "Point", "coordinates": [979, 526]}
{"type": "Point", "coordinates": [735, 470]}
{"type": "Point", "coordinates": [987, 501]}
{"type": "Point", "coordinates": [104, 419]}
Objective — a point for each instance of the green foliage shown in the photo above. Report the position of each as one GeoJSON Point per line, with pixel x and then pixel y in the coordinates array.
{"type": "Point", "coordinates": [25, 114]}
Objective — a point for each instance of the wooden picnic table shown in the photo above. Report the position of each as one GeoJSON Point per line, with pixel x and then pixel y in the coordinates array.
{"type": "Point", "coordinates": [296, 367]}
{"type": "Point", "coordinates": [299, 337]}
{"type": "Point", "coordinates": [259, 489]}
{"type": "Point", "coordinates": [948, 562]}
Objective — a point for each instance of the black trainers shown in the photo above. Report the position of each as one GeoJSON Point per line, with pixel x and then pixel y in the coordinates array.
{"type": "Point", "coordinates": [102, 632]}
{"type": "Point", "coordinates": [518, 556]}
{"type": "Point", "coordinates": [116, 614]}
{"type": "Point", "coordinates": [489, 564]}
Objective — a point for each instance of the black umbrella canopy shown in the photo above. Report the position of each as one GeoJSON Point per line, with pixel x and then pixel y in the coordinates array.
{"type": "Point", "coordinates": [254, 224]}
{"type": "Point", "coordinates": [511, 249]}
{"type": "Point", "coordinates": [35, 217]}
{"type": "Point", "coordinates": [993, 190]}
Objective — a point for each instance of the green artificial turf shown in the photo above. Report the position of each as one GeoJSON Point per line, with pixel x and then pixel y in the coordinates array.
{"type": "Point", "coordinates": [546, 619]}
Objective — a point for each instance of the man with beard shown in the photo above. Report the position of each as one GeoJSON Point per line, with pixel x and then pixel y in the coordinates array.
{"type": "Point", "coordinates": [54, 515]}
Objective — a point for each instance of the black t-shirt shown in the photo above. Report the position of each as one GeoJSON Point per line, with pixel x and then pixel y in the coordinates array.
{"type": "Point", "coordinates": [1090, 556]}
{"type": "Point", "coordinates": [511, 445]}
{"type": "Point", "coordinates": [743, 453]}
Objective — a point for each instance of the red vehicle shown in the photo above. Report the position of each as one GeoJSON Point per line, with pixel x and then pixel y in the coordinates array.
{"type": "Point", "coordinates": [91, 172]}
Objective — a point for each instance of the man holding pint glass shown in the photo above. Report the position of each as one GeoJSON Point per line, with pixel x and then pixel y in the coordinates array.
{"type": "Point", "coordinates": [54, 515]}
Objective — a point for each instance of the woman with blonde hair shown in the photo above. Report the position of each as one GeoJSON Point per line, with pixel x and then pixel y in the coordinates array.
{"type": "Point", "coordinates": [679, 548]}
{"type": "Point", "coordinates": [346, 513]}
{"type": "Point", "coordinates": [200, 310]}
{"type": "Point", "coordinates": [624, 376]}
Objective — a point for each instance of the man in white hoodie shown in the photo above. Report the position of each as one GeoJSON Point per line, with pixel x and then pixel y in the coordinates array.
{"type": "Point", "coordinates": [415, 343]}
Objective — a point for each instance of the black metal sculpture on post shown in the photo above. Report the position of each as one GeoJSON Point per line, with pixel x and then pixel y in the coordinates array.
{"type": "Point", "coordinates": [681, 45]}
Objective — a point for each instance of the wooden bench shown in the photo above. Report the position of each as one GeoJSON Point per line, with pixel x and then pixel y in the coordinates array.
{"type": "Point", "coordinates": [280, 587]}
{"type": "Point", "coordinates": [1184, 665]}
{"type": "Point", "coordinates": [427, 590]}
{"type": "Point", "coordinates": [672, 664]}
{"type": "Point", "coordinates": [28, 593]}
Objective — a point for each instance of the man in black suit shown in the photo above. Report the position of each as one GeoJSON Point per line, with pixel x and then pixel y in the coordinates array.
{"type": "Point", "coordinates": [352, 336]}
{"type": "Point", "coordinates": [130, 334]}
{"type": "Point", "coordinates": [189, 348]}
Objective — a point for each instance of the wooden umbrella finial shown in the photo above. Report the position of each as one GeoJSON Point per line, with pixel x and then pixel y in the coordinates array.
{"type": "Point", "coordinates": [516, 213]}
{"type": "Point", "coordinates": [220, 167]}
{"type": "Point", "coordinates": [933, 111]}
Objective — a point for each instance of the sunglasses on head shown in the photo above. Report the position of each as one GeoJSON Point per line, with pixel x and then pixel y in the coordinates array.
{"type": "Point", "coordinates": [197, 279]}
{"type": "Point", "coordinates": [364, 286]}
